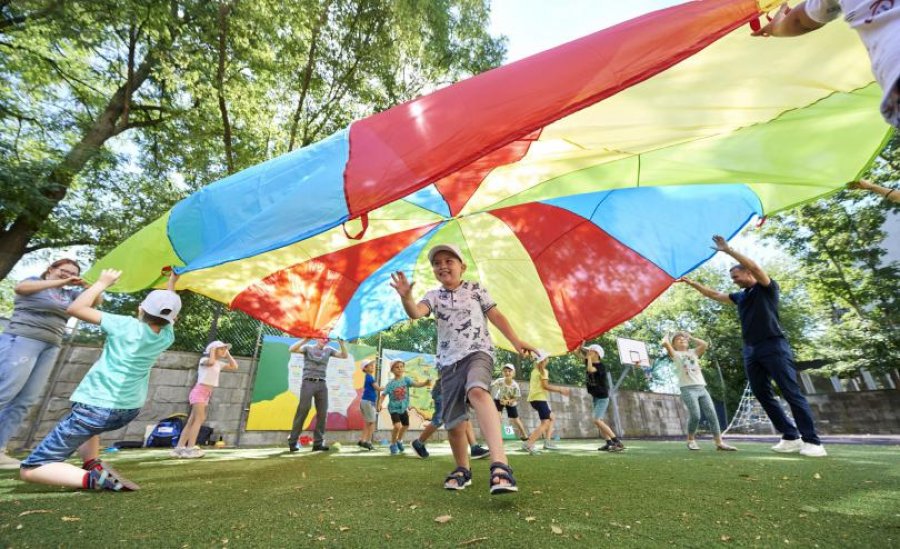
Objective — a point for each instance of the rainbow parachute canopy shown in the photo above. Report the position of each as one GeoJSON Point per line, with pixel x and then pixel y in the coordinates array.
{"type": "Point", "coordinates": [579, 182]}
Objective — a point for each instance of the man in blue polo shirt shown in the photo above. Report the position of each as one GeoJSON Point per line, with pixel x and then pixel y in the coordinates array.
{"type": "Point", "coordinates": [767, 354]}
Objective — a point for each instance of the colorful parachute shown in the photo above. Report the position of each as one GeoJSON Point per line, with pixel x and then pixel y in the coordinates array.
{"type": "Point", "coordinates": [579, 182]}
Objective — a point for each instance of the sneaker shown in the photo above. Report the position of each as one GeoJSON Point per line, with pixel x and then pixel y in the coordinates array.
{"type": "Point", "coordinates": [320, 448]}
{"type": "Point", "coordinates": [788, 446]}
{"type": "Point", "coordinates": [192, 453]}
{"type": "Point", "coordinates": [7, 462]}
{"type": "Point", "coordinates": [394, 450]}
{"type": "Point", "coordinates": [292, 447]}
{"type": "Point", "coordinates": [368, 446]}
{"type": "Point", "coordinates": [617, 447]}
{"type": "Point", "coordinates": [177, 452]}
{"type": "Point", "coordinates": [550, 446]}
{"type": "Point", "coordinates": [813, 450]}
{"type": "Point", "coordinates": [400, 447]}
{"type": "Point", "coordinates": [530, 449]}
{"type": "Point", "coordinates": [692, 445]}
{"type": "Point", "coordinates": [607, 447]}
{"type": "Point", "coordinates": [104, 477]}
{"type": "Point", "coordinates": [478, 451]}
{"type": "Point", "coordinates": [361, 444]}
{"type": "Point", "coordinates": [420, 449]}
{"type": "Point", "coordinates": [726, 448]}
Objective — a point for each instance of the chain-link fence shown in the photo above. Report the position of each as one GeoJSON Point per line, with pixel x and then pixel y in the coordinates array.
{"type": "Point", "coordinates": [201, 320]}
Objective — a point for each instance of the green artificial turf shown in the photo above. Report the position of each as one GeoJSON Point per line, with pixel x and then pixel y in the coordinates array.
{"type": "Point", "coordinates": [654, 494]}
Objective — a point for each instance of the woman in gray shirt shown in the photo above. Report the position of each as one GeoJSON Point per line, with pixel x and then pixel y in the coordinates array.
{"type": "Point", "coordinates": [31, 343]}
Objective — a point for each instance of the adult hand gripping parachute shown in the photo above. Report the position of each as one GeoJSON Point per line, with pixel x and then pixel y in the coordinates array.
{"type": "Point", "coordinates": [579, 182]}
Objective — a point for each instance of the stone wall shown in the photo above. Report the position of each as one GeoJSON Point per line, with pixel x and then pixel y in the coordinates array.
{"type": "Point", "coordinates": [175, 373]}
{"type": "Point", "coordinates": [170, 382]}
{"type": "Point", "coordinates": [639, 413]}
{"type": "Point", "coordinates": [857, 413]}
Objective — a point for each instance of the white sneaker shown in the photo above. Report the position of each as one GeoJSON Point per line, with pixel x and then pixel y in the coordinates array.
{"type": "Point", "coordinates": [7, 462]}
{"type": "Point", "coordinates": [530, 449]}
{"type": "Point", "coordinates": [813, 450]}
{"type": "Point", "coordinates": [193, 453]}
{"type": "Point", "coordinates": [788, 446]}
{"type": "Point", "coordinates": [177, 452]}
{"type": "Point", "coordinates": [550, 446]}
{"type": "Point", "coordinates": [692, 445]}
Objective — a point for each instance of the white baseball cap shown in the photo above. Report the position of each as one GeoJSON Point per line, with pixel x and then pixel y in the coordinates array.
{"type": "Point", "coordinates": [452, 248]}
{"type": "Point", "coordinates": [215, 345]}
{"type": "Point", "coordinates": [366, 362]}
{"type": "Point", "coordinates": [162, 303]}
{"type": "Point", "coordinates": [541, 355]}
{"type": "Point", "coordinates": [596, 348]}
{"type": "Point", "coordinates": [509, 366]}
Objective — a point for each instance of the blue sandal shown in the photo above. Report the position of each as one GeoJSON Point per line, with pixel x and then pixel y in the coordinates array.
{"type": "Point", "coordinates": [502, 471]}
{"type": "Point", "coordinates": [458, 479]}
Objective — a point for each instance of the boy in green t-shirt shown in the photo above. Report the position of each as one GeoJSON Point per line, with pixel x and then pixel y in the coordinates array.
{"type": "Point", "coordinates": [397, 392]}
{"type": "Point", "coordinates": [112, 392]}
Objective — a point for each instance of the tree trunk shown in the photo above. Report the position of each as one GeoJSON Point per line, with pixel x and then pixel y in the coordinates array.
{"type": "Point", "coordinates": [14, 240]}
{"type": "Point", "coordinates": [222, 20]}
{"type": "Point", "coordinates": [307, 74]}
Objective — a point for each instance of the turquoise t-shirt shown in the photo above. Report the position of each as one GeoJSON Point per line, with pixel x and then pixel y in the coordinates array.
{"type": "Point", "coordinates": [120, 377]}
{"type": "Point", "coordinates": [397, 391]}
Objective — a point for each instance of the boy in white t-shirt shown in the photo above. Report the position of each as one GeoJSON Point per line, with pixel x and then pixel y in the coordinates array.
{"type": "Point", "coordinates": [465, 359]}
{"type": "Point", "coordinates": [878, 25]}
{"type": "Point", "coordinates": [506, 393]}
{"type": "Point", "coordinates": [216, 358]}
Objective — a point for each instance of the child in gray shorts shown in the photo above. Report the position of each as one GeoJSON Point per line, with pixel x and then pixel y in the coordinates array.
{"type": "Point", "coordinates": [465, 360]}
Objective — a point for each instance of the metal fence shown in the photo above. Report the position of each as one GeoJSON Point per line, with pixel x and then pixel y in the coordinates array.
{"type": "Point", "coordinates": [201, 321]}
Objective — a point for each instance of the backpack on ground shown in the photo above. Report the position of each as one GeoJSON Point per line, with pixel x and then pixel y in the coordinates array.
{"type": "Point", "coordinates": [167, 432]}
{"type": "Point", "coordinates": [204, 435]}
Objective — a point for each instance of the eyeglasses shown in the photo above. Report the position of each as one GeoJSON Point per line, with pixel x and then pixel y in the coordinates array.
{"type": "Point", "coordinates": [67, 272]}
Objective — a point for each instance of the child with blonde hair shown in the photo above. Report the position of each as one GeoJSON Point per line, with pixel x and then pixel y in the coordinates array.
{"type": "Point", "coordinates": [506, 393]}
{"type": "Point", "coordinates": [539, 388]}
{"type": "Point", "coordinates": [465, 359]}
{"type": "Point", "coordinates": [397, 392]}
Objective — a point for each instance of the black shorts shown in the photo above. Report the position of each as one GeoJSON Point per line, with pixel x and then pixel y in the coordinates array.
{"type": "Point", "coordinates": [512, 412]}
{"type": "Point", "coordinates": [402, 418]}
{"type": "Point", "coordinates": [542, 408]}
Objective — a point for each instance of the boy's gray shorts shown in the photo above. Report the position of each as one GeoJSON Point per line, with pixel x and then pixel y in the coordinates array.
{"type": "Point", "coordinates": [367, 408]}
{"type": "Point", "coordinates": [475, 370]}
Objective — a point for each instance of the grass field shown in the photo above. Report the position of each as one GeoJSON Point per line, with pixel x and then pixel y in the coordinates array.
{"type": "Point", "coordinates": [654, 494]}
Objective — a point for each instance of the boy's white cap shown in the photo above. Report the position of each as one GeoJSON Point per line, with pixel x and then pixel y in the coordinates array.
{"type": "Point", "coordinates": [366, 362]}
{"type": "Point", "coordinates": [596, 348]}
{"type": "Point", "coordinates": [397, 361]}
{"type": "Point", "coordinates": [541, 355]}
{"type": "Point", "coordinates": [162, 303]}
{"type": "Point", "coordinates": [509, 366]}
{"type": "Point", "coordinates": [452, 248]}
{"type": "Point", "coordinates": [215, 345]}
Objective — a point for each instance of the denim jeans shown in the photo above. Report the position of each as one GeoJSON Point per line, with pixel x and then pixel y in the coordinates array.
{"type": "Point", "coordinates": [79, 425]}
{"type": "Point", "coordinates": [25, 366]}
{"type": "Point", "coordinates": [773, 360]}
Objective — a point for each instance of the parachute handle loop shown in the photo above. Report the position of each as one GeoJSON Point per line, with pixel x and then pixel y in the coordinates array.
{"type": "Point", "coordinates": [364, 219]}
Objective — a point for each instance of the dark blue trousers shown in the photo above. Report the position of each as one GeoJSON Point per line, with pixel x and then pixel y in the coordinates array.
{"type": "Point", "coordinates": [772, 359]}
